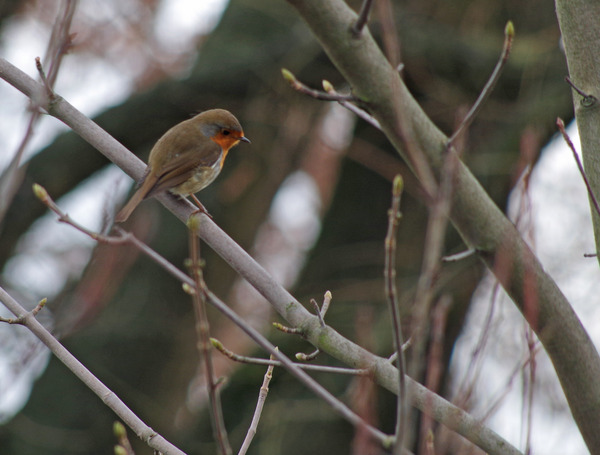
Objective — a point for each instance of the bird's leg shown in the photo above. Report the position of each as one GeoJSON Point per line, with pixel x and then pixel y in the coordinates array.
{"type": "Point", "coordinates": [201, 208]}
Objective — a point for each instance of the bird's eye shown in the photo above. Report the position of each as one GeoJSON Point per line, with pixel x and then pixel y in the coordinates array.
{"type": "Point", "coordinates": [226, 133]}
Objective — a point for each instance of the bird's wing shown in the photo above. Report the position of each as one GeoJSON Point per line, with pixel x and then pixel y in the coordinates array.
{"type": "Point", "coordinates": [181, 167]}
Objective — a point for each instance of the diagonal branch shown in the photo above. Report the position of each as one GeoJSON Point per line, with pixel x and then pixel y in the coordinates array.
{"type": "Point", "coordinates": [286, 305]}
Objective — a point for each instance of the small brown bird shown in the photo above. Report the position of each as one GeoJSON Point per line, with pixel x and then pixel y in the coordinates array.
{"type": "Point", "coordinates": [188, 157]}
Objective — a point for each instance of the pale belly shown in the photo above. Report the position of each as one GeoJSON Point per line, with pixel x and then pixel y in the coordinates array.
{"type": "Point", "coordinates": [203, 177]}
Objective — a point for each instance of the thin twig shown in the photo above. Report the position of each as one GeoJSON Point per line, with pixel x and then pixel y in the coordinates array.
{"type": "Point", "coordinates": [459, 256]}
{"type": "Point", "coordinates": [392, 297]}
{"type": "Point", "coordinates": [305, 366]}
{"type": "Point", "coordinates": [318, 312]}
{"type": "Point", "coordinates": [531, 346]}
{"type": "Point", "coordinates": [389, 34]}
{"type": "Point", "coordinates": [363, 17]}
{"type": "Point", "coordinates": [202, 331]}
{"type": "Point", "coordinates": [509, 34]}
{"type": "Point", "coordinates": [407, 344]}
{"type": "Point", "coordinates": [497, 400]}
{"type": "Point", "coordinates": [286, 329]}
{"type": "Point", "coordinates": [318, 94]}
{"type": "Point", "coordinates": [435, 364]}
{"type": "Point", "coordinates": [434, 245]}
{"type": "Point", "coordinates": [308, 357]}
{"type": "Point", "coordinates": [326, 302]}
{"type": "Point", "coordinates": [41, 193]}
{"type": "Point", "coordinates": [12, 177]}
{"type": "Point", "coordinates": [330, 94]}
{"type": "Point", "coordinates": [21, 319]}
{"type": "Point", "coordinates": [328, 87]}
{"type": "Point", "coordinates": [60, 41]}
{"type": "Point", "coordinates": [49, 91]}
{"type": "Point", "coordinates": [262, 396]}
{"type": "Point", "coordinates": [587, 100]}
{"type": "Point", "coordinates": [561, 127]}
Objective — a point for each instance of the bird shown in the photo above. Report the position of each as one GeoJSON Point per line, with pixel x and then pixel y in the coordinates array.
{"type": "Point", "coordinates": [188, 158]}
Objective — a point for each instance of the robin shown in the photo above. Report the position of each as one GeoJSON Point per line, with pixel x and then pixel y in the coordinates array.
{"type": "Point", "coordinates": [188, 158]}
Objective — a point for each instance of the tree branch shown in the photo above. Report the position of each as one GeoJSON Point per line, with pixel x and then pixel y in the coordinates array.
{"type": "Point", "coordinates": [392, 298]}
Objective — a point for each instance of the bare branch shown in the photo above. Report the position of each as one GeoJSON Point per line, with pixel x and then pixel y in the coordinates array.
{"type": "Point", "coordinates": [308, 357]}
{"type": "Point", "coordinates": [202, 332]}
{"type": "Point", "coordinates": [262, 396]}
{"type": "Point", "coordinates": [12, 176]}
{"type": "Point", "coordinates": [394, 306]}
{"type": "Point", "coordinates": [43, 78]}
{"type": "Point", "coordinates": [326, 302]}
{"type": "Point", "coordinates": [363, 16]}
{"type": "Point", "coordinates": [21, 319]}
{"type": "Point", "coordinates": [328, 87]}
{"type": "Point", "coordinates": [286, 329]}
{"type": "Point", "coordinates": [434, 244]}
{"type": "Point", "coordinates": [509, 34]}
{"type": "Point", "coordinates": [305, 366]}
{"type": "Point", "coordinates": [318, 312]}
{"type": "Point", "coordinates": [302, 88]}
{"type": "Point", "coordinates": [561, 127]}
{"type": "Point", "coordinates": [459, 256]}
{"type": "Point", "coordinates": [587, 100]}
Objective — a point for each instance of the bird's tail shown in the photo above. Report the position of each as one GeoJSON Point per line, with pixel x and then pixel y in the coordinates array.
{"type": "Point", "coordinates": [137, 197]}
{"type": "Point", "coordinates": [129, 207]}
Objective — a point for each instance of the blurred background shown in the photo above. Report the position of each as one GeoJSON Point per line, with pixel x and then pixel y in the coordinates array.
{"type": "Point", "coordinates": [308, 198]}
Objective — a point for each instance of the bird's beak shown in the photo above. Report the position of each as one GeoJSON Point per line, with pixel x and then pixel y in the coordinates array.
{"type": "Point", "coordinates": [245, 139]}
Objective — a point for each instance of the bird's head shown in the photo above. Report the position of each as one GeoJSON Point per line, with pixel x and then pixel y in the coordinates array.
{"type": "Point", "coordinates": [222, 127]}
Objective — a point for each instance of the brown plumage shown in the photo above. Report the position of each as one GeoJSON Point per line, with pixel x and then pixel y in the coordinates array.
{"type": "Point", "coordinates": [188, 157]}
